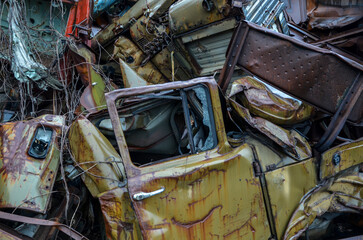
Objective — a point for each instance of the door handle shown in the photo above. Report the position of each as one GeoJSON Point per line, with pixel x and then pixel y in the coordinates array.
{"type": "Point", "coordinates": [142, 195]}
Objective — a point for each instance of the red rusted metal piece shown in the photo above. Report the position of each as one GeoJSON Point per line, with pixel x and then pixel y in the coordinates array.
{"type": "Point", "coordinates": [79, 21]}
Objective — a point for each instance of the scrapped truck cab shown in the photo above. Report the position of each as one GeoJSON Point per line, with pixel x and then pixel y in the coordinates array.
{"type": "Point", "coordinates": [172, 172]}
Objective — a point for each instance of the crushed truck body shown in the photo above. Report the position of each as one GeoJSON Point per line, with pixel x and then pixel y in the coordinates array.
{"type": "Point", "coordinates": [189, 119]}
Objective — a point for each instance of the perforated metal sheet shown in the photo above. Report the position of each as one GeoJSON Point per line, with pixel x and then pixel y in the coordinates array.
{"type": "Point", "coordinates": [318, 76]}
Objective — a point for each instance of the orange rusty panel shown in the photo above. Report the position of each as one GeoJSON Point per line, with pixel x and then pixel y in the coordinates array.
{"type": "Point", "coordinates": [286, 186]}
{"type": "Point", "coordinates": [79, 18]}
{"type": "Point", "coordinates": [26, 182]}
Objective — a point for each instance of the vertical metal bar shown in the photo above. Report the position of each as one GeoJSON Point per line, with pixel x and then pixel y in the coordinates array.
{"type": "Point", "coordinates": [187, 119]}
{"type": "Point", "coordinates": [233, 55]}
{"type": "Point", "coordinates": [341, 115]}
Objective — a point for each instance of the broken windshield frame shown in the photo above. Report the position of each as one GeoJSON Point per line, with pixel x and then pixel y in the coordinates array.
{"type": "Point", "coordinates": [194, 107]}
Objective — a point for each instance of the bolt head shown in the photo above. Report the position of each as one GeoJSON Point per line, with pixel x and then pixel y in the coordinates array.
{"type": "Point", "coordinates": [336, 159]}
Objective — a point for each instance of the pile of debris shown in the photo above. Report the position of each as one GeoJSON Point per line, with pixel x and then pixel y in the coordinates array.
{"type": "Point", "coordinates": [189, 119]}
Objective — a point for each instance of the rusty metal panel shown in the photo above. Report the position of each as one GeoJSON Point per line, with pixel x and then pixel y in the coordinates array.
{"type": "Point", "coordinates": [342, 193]}
{"type": "Point", "coordinates": [286, 186]}
{"type": "Point", "coordinates": [118, 214]}
{"type": "Point", "coordinates": [95, 155]}
{"type": "Point", "coordinates": [262, 102]}
{"type": "Point", "coordinates": [265, 13]}
{"type": "Point", "coordinates": [26, 182]}
{"type": "Point", "coordinates": [191, 14]}
{"type": "Point", "coordinates": [291, 141]}
{"type": "Point", "coordinates": [202, 196]}
{"type": "Point", "coordinates": [203, 199]}
{"type": "Point", "coordinates": [105, 178]}
{"type": "Point", "coordinates": [316, 75]}
{"type": "Point", "coordinates": [340, 158]}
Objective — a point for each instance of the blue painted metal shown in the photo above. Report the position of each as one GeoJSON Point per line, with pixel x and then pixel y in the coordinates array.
{"type": "Point", "coordinates": [100, 6]}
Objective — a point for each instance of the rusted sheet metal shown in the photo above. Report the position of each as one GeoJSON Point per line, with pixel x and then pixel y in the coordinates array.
{"type": "Point", "coordinates": [339, 194]}
{"type": "Point", "coordinates": [190, 14]}
{"type": "Point", "coordinates": [105, 178]}
{"type": "Point", "coordinates": [154, 8]}
{"type": "Point", "coordinates": [204, 194]}
{"type": "Point", "coordinates": [130, 54]}
{"type": "Point", "coordinates": [307, 72]}
{"type": "Point", "coordinates": [286, 186]}
{"type": "Point", "coordinates": [95, 155]}
{"type": "Point", "coordinates": [261, 101]}
{"type": "Point", "coordinates": [292, 142]}
{"type": "Point", "coordinates": [93, 97]}
{"type": "Point", "coordinates": [337, 122]}
{"type": "Point", "coordinates": [340, 158]}
{"type": "Point", "coordinates": [26, 182]}
{"type": "Point", "coordinates": [332, 17]}
{"type": "Point", "coordinates": [118, 214]}
{"type": "Point", "coordinates": [130, 77]}
{"type": "Point", "coordinates": [79, 21]}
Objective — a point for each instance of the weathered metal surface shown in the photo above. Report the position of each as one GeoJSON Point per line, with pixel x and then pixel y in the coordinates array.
{"type": "Point", "coordinates": [130, 77]}
{"type": "Point", "coordinates": [340, 158]}
{"type": "Point", "coordinates": [126, 50]}
{"type": "Point", "coordinates": [291, 141]}
{"type": "Point", "coordinates": [261, 101]}
{"type": "Point", "coordinates": [93, 97]}
{"type": "Point", "coordinates": [31, 29]}
{"type": "Point", "coordinates": [208, 46]}
{"type": "Point", "coordinates": [64, 228]}
{"type": "Point", "coordinates": [267, 13]}
{"type": "Point", "coordinates": [190, 14]}
{"type": "Point", "coordinates": [295, 67]}
{"type": "Point", "coordinates": [339, 194]}
{"type": "Point", "coordinates": [79, 21]}
{"type": "Point", "coordinates": [286, 186]}
{"type": "Point", "coordinates": [154, 8]}
{"type": "Point", "coordinates": [105, 178]}
{"type": "Point", "coordinates": [100, 6]}
{"type": "Point", "coordinates": [333, 17]}
{"type": "Point", "coordinates": [204, 193]}
{"type": "Point", "coordinates": [118, 214]}
{"type": "Point", "coordinates": [26, 182]}
{"type": "Point", "coordinates": [95, 155]}
{"type": "Point", "coordinates": [169, 66]}
{"type": "Point", "coordinates": [340, 117]}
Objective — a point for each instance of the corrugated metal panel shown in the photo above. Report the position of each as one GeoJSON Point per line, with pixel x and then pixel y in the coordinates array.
{"type": "Point", "coordinates": [210, 52]}
{"type": "Point", "coordinates": [209, 46]}
{"type": "Point", "coordinates": [264, 13]}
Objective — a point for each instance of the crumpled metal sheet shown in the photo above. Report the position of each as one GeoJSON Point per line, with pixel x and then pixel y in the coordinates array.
{"type": "Point", "coordinates": [292, 142]}
{"type": "Point", "coordinates": [24, 65]}
{"type": "Point", "coordinates": [330, 17]}
{"type": "Point", "coordinates": [261, 101]}
{"type": "Point", "coordinates": [131, 55]}
{"type": "Point", "coordinates": [105, 178]}
{"type": "Point", "coordinates": [342, 193]}
{"type": "Point", "coordinates": [95, 155]}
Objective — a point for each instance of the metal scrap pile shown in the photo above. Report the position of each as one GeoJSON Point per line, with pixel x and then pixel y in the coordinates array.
{"type": "Point", "coordinates": [189, 119]}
